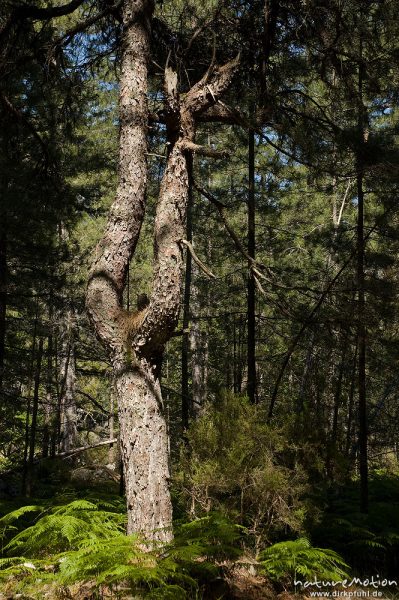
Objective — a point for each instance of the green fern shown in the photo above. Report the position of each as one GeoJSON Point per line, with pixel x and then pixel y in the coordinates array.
{"type": "Point", "coordinates": [81, 542]}
{"type": "Point", "coordinates": [213, 536]}
{"type": "Point", "coordinates": [286, 560]}
{"type": "Point", "coordinates": [65, 527]}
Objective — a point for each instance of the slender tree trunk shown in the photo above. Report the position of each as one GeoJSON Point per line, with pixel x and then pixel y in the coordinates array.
{"type": "Point", "coordinates": [186, 400]}
{"type": "Point", "coordinates": [26, 447]}
{"type": "Point", "coordinates": [3, 294]}
{"type": "Point", "coordinates": [68, 412]}
{"type": "Point", "coordinates": [337, 395]}
{"type": "Point", "coordinates": [308, 367]}
{"type": "Point", "coordinates": [361, 336]}
{"type": "Point", "coordinates": [333, 434]}
{"type": "Point", "coordinates": [240, 353]}
{"type": "Point", "coordinates": [235, 370]}
{"type": "Point", "coordinates": [48, 407]}
{"type": "Point", "coordinates": [56, 423]}
{"type": "Point", "coordinates": [29, 402]}
{"type": "Point", "coordinates": [361, 333]}
{"type": "Point", "coordinates": [251, 347]}
{"type": "Point", "coordinates": [35, 409]}
{"type": "Point", "coordinates": [199, 355]}
{"type": "Point", "coordinates": [350, 405]}
{"type": "Point", "coordinates": [112, 454]}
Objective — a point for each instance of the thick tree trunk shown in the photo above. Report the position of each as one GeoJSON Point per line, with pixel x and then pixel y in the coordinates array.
{"type": "Point", "coordinates": [136, 341]}
{"type": "Point", "coordinates": [144, 449]}
{"type": "Point", "coordinates": [137, 404]}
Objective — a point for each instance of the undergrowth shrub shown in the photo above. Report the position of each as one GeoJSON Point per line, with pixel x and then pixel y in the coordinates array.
{"type": "Point", "coordinates": [234, 462]}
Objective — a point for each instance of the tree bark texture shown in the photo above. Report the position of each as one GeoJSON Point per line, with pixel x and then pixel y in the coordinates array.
{"type": "Point", "coordinates": [136, 340]}
{"type": "Point", "coordinates": [186, 398]}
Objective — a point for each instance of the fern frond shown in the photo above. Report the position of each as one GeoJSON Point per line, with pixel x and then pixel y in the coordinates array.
{"type": "Point", "coordinates": [19, 512]}
{"type": "Point", "coordinates": [286, 559]}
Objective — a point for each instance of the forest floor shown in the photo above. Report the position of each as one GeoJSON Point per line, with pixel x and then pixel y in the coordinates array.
{"type": "Point", "coordinates": [240, 585]}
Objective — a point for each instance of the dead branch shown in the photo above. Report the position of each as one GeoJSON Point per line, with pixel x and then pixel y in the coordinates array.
{"type": "Point", "coordinates": [201, 265]}
{"type": "Point", "coordinates": [74, 451]}
{"type": "Point", "coordinates": [203, 150]}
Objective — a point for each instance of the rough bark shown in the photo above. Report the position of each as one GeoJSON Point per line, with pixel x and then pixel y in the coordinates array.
{"type": "Point", "coordinates": [144, 454]}
{"type": "Point", "coordinates": [186, 399]}
{"type": "Point", "coordinates": [136, 341]}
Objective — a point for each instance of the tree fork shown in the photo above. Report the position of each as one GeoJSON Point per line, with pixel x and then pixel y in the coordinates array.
{"type": "Point", "coordinates": [136, 341]}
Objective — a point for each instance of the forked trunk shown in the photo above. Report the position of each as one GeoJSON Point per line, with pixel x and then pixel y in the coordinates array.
{"type": "Point", "coordinates": [136, 340]}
